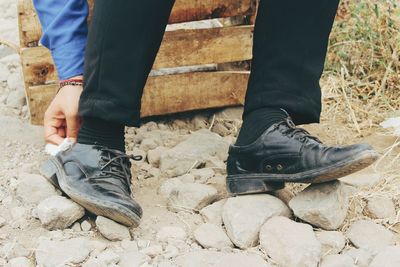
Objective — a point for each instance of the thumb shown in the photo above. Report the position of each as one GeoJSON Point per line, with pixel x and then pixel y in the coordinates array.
{"type": "Point", "coordinates": [73, 125]}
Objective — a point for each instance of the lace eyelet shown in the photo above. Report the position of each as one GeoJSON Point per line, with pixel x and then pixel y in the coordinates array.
{"type": "Point", "coordinates": [279, 167]}
{"type": "Point", "coordinates": [268, 168]}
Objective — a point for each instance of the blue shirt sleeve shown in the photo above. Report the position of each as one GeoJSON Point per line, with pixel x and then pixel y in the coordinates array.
{"type": "Point", "coordinates": [64, 33]}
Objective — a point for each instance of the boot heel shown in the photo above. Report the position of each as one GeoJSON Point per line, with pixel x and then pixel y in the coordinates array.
{"type": "Point", "coordinates": [49, 170]}
{"type": "Point", "coordinates": [251, 186]}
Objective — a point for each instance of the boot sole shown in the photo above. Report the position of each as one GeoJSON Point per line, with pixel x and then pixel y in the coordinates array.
{"type": "Point", "coordinates": [53, 171]}
{"type": "Point", "coordinates": [239, 183]}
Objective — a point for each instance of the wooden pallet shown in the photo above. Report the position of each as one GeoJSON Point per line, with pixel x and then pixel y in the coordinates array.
{"type": "Point", "coordinates": [162, 94]}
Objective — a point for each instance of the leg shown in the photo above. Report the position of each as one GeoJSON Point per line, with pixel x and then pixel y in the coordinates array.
{"type": "Point", "coordinates": [290, 43]}
{"type": "Point", "coordinates": [124, 38]}
{"type": "Point", "coordinates": [123, 41]}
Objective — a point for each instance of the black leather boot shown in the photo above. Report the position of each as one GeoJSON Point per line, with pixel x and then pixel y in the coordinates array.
{"type": "Point", "coordinates": [284, 153]}
{"type": "Point", "coordinates": [97, 178]}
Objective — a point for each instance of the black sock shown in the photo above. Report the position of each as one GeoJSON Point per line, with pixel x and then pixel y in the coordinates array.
{"type": "Point", "coordinates": [256, 122]}
{"type": "Point", "coordinates": [104, 133]}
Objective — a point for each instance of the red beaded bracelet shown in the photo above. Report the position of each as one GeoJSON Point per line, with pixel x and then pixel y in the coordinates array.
{"type": "Point", "coordinates": [74, 82]}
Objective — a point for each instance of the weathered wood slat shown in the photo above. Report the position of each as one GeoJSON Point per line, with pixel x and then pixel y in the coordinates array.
{"type": "Point", "coordinates": [179, 48]}
{"type": "Point", "coordinates": [184, 10]}
{"type": "Point", "coordinates": [167, 94]}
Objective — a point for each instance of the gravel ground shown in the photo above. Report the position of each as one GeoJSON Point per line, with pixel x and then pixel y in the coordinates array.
{"type": "Point", "coordinates": [189, 220]}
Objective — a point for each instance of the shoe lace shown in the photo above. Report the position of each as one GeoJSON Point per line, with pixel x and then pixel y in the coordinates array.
{"type": "Point", "coordinates": [294, 131]}
{"type": "Point", "coordinates": [116, 164]}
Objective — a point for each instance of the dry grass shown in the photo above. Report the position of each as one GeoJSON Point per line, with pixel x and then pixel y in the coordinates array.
{"type": "Point", "coordinates": [362, 88]}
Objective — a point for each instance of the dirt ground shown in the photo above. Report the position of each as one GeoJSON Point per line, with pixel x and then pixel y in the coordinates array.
{"type": "Point", "coordinates": [22, 234]}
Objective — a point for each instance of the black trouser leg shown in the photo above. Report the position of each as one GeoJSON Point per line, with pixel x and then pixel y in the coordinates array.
{"type": "Point", "coordinates": [290, 43]}
{"type": "Point", "coordinates": [124, 38]}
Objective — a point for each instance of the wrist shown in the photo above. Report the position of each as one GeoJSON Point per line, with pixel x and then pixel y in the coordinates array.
{"type": "Point", "coordinates": [73, 81]}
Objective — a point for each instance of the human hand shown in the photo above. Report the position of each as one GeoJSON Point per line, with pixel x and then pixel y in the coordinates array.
{"type": "Point", "coordinates": [61, 117]}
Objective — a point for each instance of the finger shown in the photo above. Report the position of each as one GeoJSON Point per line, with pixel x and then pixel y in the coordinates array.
{"type": "Point", "coordinates": [54, 139]}
{"type": "Point", "coordinates": [72, 127]}
{"type": "Point", "coordinates": [51, 127]}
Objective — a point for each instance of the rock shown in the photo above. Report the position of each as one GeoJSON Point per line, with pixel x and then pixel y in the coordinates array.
{"type": "Point", "coordinates": [243, 216]}
{"type": "Point", "coordinates": [186, 178]}
{"type": "Point", "coordinates": [62, 253]}
{"type": "Point", "coordinates": [332, 242]}
{"type": "Point", "coordinates": [289, 243]}
{"type": "Point", "coordinates": [129, 245]}
{"type": "Point", "coordinates": [204, 258]}
{"type": "Point", "coordinates": [153, 173]}
{"type": "Point", "coordinates": [388, 257]}
{"type": "Point", "coordinates": [380, 208]}
{"type": "Point", "coordinates": [16, 99]}
{"type": "Point", "coordinates": [108, 257]}
{"type": "Point", "coordinates": [76, 227]}
{"type": "Point", "coordinates": [211, 236]}
{"type": "Point", "coordinates": [168, 186]}
{"type": "Point", "coordinates": [369, 235]}
{"type": "Point", "coordinates": [361, 257]}
{"type": "Point", "coordinates": [15, 82]}
{"type": "Point", "coordinates": [58, 212]}
{"type": "Point", "coordinates": [86, 226]}
{"type": "Point", "coordinates": [213, 213]}
{"type": "Point", "coordinates": [154, 155]}
{"type": "Point", "coordinates": [202, 175]}
{"type": "Point", "coordinates": [190, 153]}
{"type": "Point", "coordinates": [337, 261]}
{"type": "Point", "coordinates": [148, 144]}
{"type": "Point", "coordinates": [133, 259]}
{"type": "Point", "coordinates": [191, 197]}
{"type": "Point", "coordinates": [170, 232]}
{"type": "Point", "coordinates": [2, 222]}
{"type": "Point", "coordinates": [170, 251]}
{"type": "Point", "coordinates": [20, 262]}
{"type": "Point", "coordinates": [112, 230]}
{"type": "Point", "coordinates": [232, 113]}
{"type": "Point", "coordinates": [152, 251]}
{"type": "Point", "coordinates": [316, 203]}
{"type": "Point", "coordinates": [33, 188]}
{"type": "Point", "coordinates": [361, 179]}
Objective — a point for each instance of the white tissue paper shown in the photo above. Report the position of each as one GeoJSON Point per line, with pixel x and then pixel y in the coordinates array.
{"type": "Point", "coordinates": [54, 149]}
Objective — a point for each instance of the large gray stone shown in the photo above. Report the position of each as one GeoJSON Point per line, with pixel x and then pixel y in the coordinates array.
{"type": "Point", "coordinates": [361, 257]}
{"type": "Point", "coordinates": [388, 257]}
{"type": "Point", "coordinates": [58, 212]}
{"type": "Point", "coordinates": [213, 213]}
{"type": "Point", "coordinates": [112, 230]}
{"type": "Point", "coordinates": [370, 235]}
{"type": "Point", "coordinates": [19, 262]}
{"type": "Point", "coordinates": [380, 208]}
{"type": "Point", "coordinates": [33, 188]}
{"type": "Point", "coordinates": [191, 197]}
{"type": "Point", "coordinates": [204, 258]}
{"type": "Point", "coordinates": [62, 253]}
{"type": "Point", "coordinates": [212, 236]}
{"type": "Point", "coordinates": [243, 217]}
{"type": "Point", "coordinates": [167, 233]}
{"type": "Point", "coordinates": [332, 242]}
{"type": "Point", "coordinates": [192, 152]}
{"type": "Point", "coordinates": [316, 203]}
{"type": "Point", "coordinates": [289, 243]}
{"type": "Point", "coordinates": [337, 261]}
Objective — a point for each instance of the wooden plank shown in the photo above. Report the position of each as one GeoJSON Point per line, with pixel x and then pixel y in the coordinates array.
{"type": "Point", "coordinates": [183, 11]}
{"type": "Point", "coordinates": [167, 94]}
{"type": "Point", "coordinates": [179, 48]}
